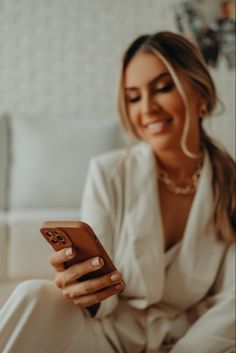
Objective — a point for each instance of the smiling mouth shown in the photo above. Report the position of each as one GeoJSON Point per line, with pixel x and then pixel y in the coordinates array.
{"type": "Point", "coordinates": [158, 126]}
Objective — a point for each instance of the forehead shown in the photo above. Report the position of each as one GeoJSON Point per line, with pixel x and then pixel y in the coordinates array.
{"type": "Point", "coordinates": [142, 68]}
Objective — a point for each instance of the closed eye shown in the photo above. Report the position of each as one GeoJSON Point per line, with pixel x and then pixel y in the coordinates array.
{"type": "Point", "coordinates": [164, 89]}
{"type": "Point", "coordinates": [132, 99]}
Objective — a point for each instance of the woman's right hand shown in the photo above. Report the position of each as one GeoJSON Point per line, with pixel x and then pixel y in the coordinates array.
{"type": "Point", "coordinates": [89, 292]}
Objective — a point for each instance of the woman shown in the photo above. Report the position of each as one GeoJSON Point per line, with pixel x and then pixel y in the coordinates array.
{"type": "Point", "coordinates": [164, 210]}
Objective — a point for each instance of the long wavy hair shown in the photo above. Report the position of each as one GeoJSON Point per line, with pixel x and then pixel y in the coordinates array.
{"type": "Point", "coordinates": [182, 56]}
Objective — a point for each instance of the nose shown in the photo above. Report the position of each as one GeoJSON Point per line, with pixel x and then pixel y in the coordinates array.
{"type": "Point", "coordinates": [149, 105]}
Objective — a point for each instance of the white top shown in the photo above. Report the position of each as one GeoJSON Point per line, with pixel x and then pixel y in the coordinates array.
{"type": "Point", "coordinates": [171, 253]}
{"type": "Point", "coordinates": [161, 287]}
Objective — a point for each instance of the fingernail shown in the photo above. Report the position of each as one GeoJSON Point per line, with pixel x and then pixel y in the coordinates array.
{"type": "Point", "coordinates": [119, 286]}
{"type": "Point", "coordinates": [115, 276]}
{"type": "Point", "coordinates": [96, 262]}
{"type": "Point", "coordinates": [69, 252]}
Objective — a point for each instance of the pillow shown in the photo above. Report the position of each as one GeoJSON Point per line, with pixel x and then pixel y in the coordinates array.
{"type": "Point", "coordinates": [49, 158]}
{"type": "Point", "coordinates": [3, 160]}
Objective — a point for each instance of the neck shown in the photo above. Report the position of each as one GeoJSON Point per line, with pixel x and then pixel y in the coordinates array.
{"type": "Point", "coordinates": [177, 164]}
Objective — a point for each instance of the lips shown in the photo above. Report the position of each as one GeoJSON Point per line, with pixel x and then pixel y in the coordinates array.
{"type": "Point", "coordinates": [156, 127]}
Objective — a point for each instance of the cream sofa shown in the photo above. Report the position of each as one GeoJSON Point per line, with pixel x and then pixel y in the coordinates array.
{"type": "Point", "coordinates": [43, 166]}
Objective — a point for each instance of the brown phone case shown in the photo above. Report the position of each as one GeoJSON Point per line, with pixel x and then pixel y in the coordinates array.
{"type": "Point", "coordinates": [79, 235]}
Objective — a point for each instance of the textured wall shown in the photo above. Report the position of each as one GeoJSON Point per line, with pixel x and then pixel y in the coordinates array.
{"type": "Point", "coordinates": [61, 57]}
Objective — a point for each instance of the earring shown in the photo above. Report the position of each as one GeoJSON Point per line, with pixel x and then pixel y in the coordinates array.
{"type": "Point", "coordinates": [202, 109]}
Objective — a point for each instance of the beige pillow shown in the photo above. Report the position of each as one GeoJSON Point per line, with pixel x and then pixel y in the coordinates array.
{"type": "Point", "coordinates": [50, 158]}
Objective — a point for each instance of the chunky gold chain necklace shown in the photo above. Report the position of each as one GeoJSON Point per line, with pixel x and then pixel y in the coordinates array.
{"type": "Point", "coordinates": [191, 182]}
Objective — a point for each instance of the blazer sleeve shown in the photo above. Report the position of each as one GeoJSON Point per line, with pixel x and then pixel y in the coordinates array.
{"type": "Point", "coordinates": [214, 331]}
{"type": "Point", "coordinates": [97, 209]}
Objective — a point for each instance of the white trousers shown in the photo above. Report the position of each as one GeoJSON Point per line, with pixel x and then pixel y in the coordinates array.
{"type": "Point", "coordinates": [37, 319]}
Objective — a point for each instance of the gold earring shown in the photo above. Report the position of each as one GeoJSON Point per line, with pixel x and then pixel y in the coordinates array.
{"type": "Point", "coordinates": [202, 109]}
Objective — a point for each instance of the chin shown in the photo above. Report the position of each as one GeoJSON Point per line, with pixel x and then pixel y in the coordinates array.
{"type": "Point", "coordinates": [160, 144]}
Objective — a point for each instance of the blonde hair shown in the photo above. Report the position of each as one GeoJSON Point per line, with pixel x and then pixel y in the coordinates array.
{"type": "Point", "coordinates": [183, 57]}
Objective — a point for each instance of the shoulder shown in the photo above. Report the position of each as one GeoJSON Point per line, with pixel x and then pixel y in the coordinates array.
{"type": "Point", "coordinates": [112, 162]}
{"type": "Point", "coordinates": [109, 159]}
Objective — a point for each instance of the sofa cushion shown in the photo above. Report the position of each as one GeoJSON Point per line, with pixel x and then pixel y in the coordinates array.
{"type": "Point", "coordinates": [6, 289]}
{"type": "Point", "coordinates": [3, 160]}
{"type": "Point", "coordinates": [50, 158]}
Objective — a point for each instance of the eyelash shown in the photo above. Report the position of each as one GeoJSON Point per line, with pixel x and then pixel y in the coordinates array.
{"type": "Point", "coordinates": [165, 89]}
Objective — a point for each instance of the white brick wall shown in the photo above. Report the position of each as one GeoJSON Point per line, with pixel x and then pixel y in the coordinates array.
{"type": "Point", "coordinates": [61, 57]}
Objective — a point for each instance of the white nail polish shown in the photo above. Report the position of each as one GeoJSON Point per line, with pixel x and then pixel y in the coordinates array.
{"type": "Point", "coordinates": [118, 286]}
{"type": "Point", "coordinates": [96, 262]}
{"type": "Point", "coordinates": [115, 277]}
{"type": "Point", "coordinates": [69, 252]}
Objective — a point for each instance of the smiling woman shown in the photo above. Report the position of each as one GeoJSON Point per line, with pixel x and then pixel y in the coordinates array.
{"type": "Point", "coordinates": [165, 93]}
{"type": "Point", "coordinates": [154, 105]}
{"type": "Point", "coordinates": [164, 209]}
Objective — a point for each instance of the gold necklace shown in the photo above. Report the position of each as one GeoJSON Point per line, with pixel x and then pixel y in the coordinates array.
{"type": "Point", "coordinates": [191, 182]}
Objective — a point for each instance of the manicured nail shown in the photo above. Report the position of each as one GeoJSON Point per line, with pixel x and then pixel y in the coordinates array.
{"type": "Point", "coordinates": [115, 277]}
{"type": "Point", "coordinates": [96, 262]}
{"type": "Point", "coordinates": [119, 286]}
{"type": "Point", "coordinates": [69, 252]}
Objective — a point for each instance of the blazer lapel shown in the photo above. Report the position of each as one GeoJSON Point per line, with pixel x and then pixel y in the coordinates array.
{"type": "Point", "coordinates": [144, 222]}
{"type": "Point", "coordinates": [194, 269]}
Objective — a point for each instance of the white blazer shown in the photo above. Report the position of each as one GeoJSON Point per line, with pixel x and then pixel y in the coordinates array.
{"type": "Point", "coordinates": [192, 301]}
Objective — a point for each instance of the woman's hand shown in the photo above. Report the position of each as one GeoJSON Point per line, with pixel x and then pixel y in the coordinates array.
{"type": "Point", "coordinates": [88, 292]}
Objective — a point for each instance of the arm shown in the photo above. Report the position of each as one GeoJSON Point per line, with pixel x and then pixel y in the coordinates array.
{"type": "Point", "coordinates": [214, 331]}
{"type": "Point", "coordinates": [97, 210]}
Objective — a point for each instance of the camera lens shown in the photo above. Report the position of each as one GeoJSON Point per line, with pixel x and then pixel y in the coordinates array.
{"type": "Point", "coordinates": [49, 234]}
{"type": "Point", "coordinates": [60, 238]}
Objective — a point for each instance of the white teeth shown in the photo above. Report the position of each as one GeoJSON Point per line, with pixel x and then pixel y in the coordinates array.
{"type": "Point", "coordinates": [156, 126]}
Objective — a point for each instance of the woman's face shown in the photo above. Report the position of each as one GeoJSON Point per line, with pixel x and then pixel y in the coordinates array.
{"type": "Point", "coordinates": [155, 107]}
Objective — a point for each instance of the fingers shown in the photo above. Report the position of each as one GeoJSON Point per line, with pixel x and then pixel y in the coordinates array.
{"type": "Point", "coordinates": [89, 300]}
{"type": "Point", "coordinates": [78, 270]}
{"type": "Point", "coordinates": [87, 293]}
{"type": "Point", "coordinates": [93, 285]}
{"type": "Point", "coordinates": [57, 258]}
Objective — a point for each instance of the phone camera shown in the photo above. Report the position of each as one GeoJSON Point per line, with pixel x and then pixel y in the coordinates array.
{"type": "Point", "coordinates": [61, 238]}
{"type": "Point", "coordinates": [49, 234]}
{"type": "Point", "coordinates": [53, 240]}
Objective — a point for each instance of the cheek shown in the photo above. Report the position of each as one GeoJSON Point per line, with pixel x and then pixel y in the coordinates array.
{"type": "Point", "coordinates": [135, 120]}
{"type": "Point", "coordinates": [179, 109]}
{"type": "Point", "coordinates": [132, 110]}
{"type": "Point", "coordinates": [173, 104]}
{"type": "Point", "coordinates": [133, 114]}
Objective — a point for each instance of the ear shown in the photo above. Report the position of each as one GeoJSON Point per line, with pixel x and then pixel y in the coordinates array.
{"type": "Point", "coordinates": [202, 109]}
{"type": "Point", "coordinates": [202, 106]}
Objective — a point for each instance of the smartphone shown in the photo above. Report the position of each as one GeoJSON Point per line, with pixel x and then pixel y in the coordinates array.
{"type": "Point", "coordinates": [80, 236]}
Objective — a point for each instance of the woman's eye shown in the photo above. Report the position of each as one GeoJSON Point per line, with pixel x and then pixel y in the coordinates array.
{"type": "Point", "coordinates": [133, 99]}
{"type": "Point", "coordinates": [166, 88]}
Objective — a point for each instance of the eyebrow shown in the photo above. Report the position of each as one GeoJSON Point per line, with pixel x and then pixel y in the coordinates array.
{"type": "Point", "coordinates": [154, 80]}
